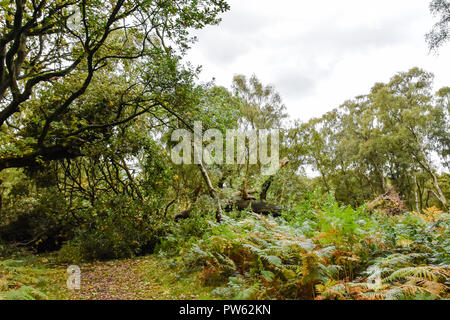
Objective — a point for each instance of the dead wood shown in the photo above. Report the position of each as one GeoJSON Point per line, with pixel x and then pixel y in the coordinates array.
{"type": "Point", "coordinates": [390, 203]}
{"type": "Point", "coordinates": [256, 206]}
{"type": "Point", "coordinates": [243, 200]}
{"type": "Point", "coordinates": [183, 215]}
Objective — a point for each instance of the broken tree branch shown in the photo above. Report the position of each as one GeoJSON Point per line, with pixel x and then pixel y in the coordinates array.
{"type": "Point", "coordinates": [268, 183]}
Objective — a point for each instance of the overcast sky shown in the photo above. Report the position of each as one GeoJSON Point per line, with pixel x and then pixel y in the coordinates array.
{"type": "Point", "coordinates": [319, 53]}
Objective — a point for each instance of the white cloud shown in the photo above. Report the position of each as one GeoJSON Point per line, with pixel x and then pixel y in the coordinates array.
{"type": "Point", "coordinates": [319, 53]}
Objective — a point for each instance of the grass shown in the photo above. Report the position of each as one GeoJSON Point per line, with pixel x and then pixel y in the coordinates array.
{"type": "Point", "coordinates": [171, 283]}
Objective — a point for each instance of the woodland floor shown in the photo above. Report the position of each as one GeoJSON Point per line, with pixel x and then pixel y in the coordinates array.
{"type": "Point", "coordinates": [119, 280]}
{"type": "Point", "coordinates": [137, 279]}
{"type": "Point", "coordinates": [146, 278]}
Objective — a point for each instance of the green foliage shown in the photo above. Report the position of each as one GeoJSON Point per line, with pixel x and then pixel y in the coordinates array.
{"type": "Point", "coordinates": [33, 212]}
{"type": "Point", "coordinates": [439, 35]}
{"type": "Point", "coordinates": [89, 98]}
{"type": "Point", "coordinates": [267, 259]}
{"type": "Point", "coordinates": [117, 229]}
{"type": "Point", "coordinates": [75, 72]}
{"type": "Point", "coordinates": [380, 140]}
{"type": "Point", "coordinates": [185, 232]}
{"type": "Point", "coordinates": [323, 251]}
{"type": "Point", "coordinates": [27, 277]}
{"type": "Point", "coordinates": [25, 293]}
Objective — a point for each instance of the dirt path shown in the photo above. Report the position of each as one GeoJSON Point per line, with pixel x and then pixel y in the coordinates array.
{"type": "Point", "coordinates": [114, 280]}
{"type": "Point", "coordinates": [137, 279]}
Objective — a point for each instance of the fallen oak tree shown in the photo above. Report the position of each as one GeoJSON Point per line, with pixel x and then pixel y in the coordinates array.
{"type": "Point", "coordinates": [244, 199]}
{"type": "Point", "coordinates": [256, 206]}
{"type": "Point", "coordinates": [389, 203]}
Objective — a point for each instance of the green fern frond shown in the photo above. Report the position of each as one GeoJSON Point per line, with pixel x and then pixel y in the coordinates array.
{"type": "Point", "coordinates": [427, 273]}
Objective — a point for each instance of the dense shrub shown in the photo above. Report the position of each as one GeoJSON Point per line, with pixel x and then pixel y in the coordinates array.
{"type": "Point", "coordinates": [40, 223]}
{"type": "Point", "coordinates": [119, 231]}
{"type": "Point", "coordinates": [183, 233]}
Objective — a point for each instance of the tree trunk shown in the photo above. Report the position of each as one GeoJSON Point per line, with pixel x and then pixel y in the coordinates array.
{"type": "Point", "coordinates": [416, 192]}
{"type": "Point", "coordinates": [440, 195]}
{"type": "Point", "coordinates": [259, 207]}
{"type": "Point", "coordinates": [212, 192]}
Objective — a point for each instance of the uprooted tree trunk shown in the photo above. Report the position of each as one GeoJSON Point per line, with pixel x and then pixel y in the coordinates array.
{"type": "Point", "coordinates": [256, 206]}
{"type": "Point", "coordinates": [261, 207]}
{"type": "Point", "coordinates": [243, 200]}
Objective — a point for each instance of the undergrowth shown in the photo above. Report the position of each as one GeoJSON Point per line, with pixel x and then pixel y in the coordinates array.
{"type": "Point", "coordinates": [323, 251]}
{"type": "Point", "coordinates": [318, 250]}
{"type": "Point", "coordinates": [29, 277]}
